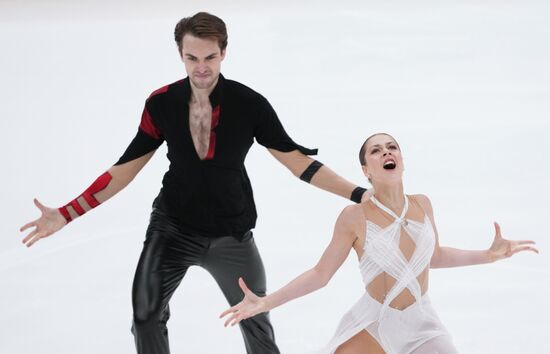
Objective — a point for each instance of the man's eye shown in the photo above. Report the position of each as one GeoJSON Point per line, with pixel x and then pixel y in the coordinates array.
{"type": "Point", "coordinates": [393, 147]}
{"type": "Point", "coordinates": [373, 151]}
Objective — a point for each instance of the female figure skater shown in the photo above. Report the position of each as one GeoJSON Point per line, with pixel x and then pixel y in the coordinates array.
{"type": "Point", "coordinates": [396, 241]}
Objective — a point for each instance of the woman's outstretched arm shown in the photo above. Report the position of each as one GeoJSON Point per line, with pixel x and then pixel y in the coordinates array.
{"type": "Point", "coordinates": [317, 277]}
{"type": "Point", "coordinates": [446, 257]}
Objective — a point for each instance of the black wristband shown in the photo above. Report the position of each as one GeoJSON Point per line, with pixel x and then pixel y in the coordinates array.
{"type": "Point", "coordinates": [357, 194]}
{"type": "Point", "coordinates": [311, 170]}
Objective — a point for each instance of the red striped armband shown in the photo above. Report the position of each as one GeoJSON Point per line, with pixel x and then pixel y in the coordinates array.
{"type": "Point", "coordinates": [88, 195]}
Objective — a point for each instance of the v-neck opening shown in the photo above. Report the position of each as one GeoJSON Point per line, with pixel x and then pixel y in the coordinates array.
{"type": "Point", "coordinates": [215, 99]}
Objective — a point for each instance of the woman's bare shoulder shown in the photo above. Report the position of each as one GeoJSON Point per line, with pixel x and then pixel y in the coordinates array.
{"type": "Point", "coordinates": [422, 199]}
{"type": "Point", "coordinates": [353, 217]}
{"type": "Point", "coordinates": [419, 197]}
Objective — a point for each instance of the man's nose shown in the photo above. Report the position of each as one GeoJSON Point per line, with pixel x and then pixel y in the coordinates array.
{"type": "Point", "coordinates": [201, 66]}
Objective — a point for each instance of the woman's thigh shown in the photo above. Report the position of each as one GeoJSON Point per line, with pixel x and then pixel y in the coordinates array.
{"type": "Point", "coordinates": [437, 345]}
{"type": "Point", "coordinates": [361, 343]}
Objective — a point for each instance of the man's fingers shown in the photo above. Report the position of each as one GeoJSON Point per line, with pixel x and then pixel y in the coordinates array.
{"type": "Point", "coordinates": [34, 240]}
{"type": "Point", "coordinates": [38, 204]}
{"type": "Point", "coordinates": [30, 236]}
{"type": "Point", "coordinates": [26, 226]}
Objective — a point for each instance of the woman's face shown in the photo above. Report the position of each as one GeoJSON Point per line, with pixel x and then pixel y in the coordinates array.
{"type": "Point", "coordinates": [384, 160]}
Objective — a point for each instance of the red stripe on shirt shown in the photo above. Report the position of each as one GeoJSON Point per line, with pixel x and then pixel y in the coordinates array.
{"type": "Point", "coordinates": [214, 123]}
{"type": "Point", "coordinates": [148, 126]}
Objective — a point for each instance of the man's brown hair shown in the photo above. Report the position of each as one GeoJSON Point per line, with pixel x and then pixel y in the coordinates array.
{"type": "Point", "coordinates": [201, 25]}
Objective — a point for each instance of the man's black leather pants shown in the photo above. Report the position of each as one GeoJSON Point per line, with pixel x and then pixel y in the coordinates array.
{"type": "Point", "coordinates": [166, 256]}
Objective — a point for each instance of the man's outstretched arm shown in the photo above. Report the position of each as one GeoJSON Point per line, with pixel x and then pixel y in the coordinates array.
{"type": "Point", "coordinates": [138, 153]}
{"type": "Point", "coordinates": [270, 133]}
{"type": "Point", "coordinates": [314, 172]}
{"type": "Point", "coordinates": [104, 187]}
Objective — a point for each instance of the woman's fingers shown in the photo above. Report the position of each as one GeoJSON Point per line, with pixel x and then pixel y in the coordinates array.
{"type": "Point", "coordinates": [228, 321]}
{"type": "Point", "coordinates": [233, 320]}
{"type": "Point", "coordinates": [228, 311]}
{"type": "Point", "coordinates": [497, 230]}
{"type": "Point", "coordinates": [237, 320]}
{"type": "Point", "coordinates": [524, 248]}
{"type": "Point", "coordinates": [243, 286]}
{"type": "Point", "coordinates": [235, 317]}
{"type": "Point", "coordinates": [525, 242]}
{"type": "Point", "coordinates": [242, 310]}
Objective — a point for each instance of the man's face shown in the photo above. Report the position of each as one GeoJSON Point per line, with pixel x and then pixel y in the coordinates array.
{"type": "Point", "coordinates": [202, 58]}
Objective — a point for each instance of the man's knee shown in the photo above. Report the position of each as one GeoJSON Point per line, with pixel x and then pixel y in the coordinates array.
{"type": "Point", "coordinates": [259, 326]}
{"type": "Point", "coordinates": [149, 315]}
{"type": "Point", "coordinates": [258, 335]}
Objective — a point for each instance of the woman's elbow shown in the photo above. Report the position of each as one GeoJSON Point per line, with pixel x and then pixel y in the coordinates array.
{"type": "Point", "coordinates": [436, 260]}
{"type": "Point", "coordinates": [323, 278]}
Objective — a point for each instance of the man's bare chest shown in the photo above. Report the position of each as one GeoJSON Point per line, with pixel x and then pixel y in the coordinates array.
{"type": "Point", "coordinates": [200, 121]}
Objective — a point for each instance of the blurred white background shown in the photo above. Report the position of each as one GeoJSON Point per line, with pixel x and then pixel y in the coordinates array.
{"type": "Point", "coordinates": [463, 85]}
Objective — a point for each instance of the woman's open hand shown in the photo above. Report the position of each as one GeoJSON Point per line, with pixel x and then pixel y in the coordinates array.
{"type": "Point", "coordinates": [250, 306]}
{"type": "Point", "coordinates": [503, 248]}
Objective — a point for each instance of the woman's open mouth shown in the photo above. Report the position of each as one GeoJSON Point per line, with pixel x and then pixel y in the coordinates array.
{"type": "Point", "coordinates": [389, 165]}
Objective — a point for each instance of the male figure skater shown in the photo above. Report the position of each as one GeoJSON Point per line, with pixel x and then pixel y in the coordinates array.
{"type": "Point", "coordinates": [205, 210]}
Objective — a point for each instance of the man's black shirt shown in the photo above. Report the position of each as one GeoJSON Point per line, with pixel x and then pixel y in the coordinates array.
{"type": "Point", "coordinates": [212, 197]}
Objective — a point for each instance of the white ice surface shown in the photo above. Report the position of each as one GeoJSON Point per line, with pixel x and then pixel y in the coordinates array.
{"type": "Point", "coordinates": [463, 85]}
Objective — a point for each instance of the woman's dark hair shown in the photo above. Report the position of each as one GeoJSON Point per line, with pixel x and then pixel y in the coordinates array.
{"type": "Point", "coordinates": [363, 149]}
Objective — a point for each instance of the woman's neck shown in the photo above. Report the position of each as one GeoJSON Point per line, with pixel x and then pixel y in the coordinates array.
{"type": "Point", "coordinates": [391, 196]}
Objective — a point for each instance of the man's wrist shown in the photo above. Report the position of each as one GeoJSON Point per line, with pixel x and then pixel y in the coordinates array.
{"type": "Point", "coordinates": [357, 194]}
{"type": "Point", "coordinates": [88, 196]}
